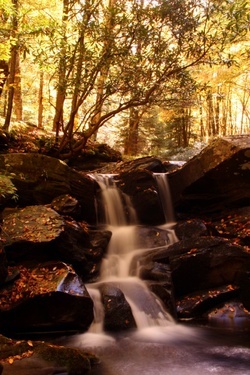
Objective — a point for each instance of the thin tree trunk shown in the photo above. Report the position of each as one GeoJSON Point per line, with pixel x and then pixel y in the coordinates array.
{"type": "Point", "coordinates": [13, 58]}
{"type": "Point", "coordinates": [131, 143]}
{"type": "Point", "coordinates": [61, 89]}
{"type": "Point", "coordinates": [18, 101]}
{"type": "Point", "coordinates": [40, 101]}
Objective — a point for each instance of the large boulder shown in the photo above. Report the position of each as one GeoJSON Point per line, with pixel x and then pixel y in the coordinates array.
{"type": "Point", "coordinates": [141, 187]}
{"type": "Point", "coordinates": [214, 180]}
{"type": "Point", "coordinates": [38, 233]}
{"type": "Point", "coordinates": [38, 357]}
{"type": "Point", "coordinates": [45, 298]}
{"type": "Point", "coordinates": [205, 262]}
{"type": "Point", "coordinates": [39, 179]}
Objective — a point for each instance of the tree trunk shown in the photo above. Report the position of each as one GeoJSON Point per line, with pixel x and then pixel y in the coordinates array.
{"type": "Point", "coordinates": [4, 71]}
{"type": "Point", "coordinates": [131, 142]}
{"type": "Point", "coordinates": [61, 88]}
{"type": "Point", "coordinates": [18, 101]}
{"type": "Point", "coordinates": [40, 101]}
{"type": "Point", "coordinates": [210, 115]}
{"type": "Point", "coordinates": [13, 58]}
{"type": "Point", "coordinates": [103, 73]}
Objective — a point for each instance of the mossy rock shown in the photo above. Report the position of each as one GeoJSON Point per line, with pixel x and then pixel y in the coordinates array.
{"type": "Point", "coordinates": [74, 361]}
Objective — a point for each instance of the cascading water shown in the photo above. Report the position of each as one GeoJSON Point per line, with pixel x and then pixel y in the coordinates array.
{"type": "Point", "coordinates": [120, 219]}
{"type": "Point", "coordinates": [165, 196]}
{"type": "Point", "coordinates": [164, 347]}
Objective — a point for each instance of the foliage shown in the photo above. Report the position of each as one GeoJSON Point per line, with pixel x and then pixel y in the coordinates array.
{"type": "Point", "coordinates": [7, 188]}
{"type": "Point", "coordinates": [102, 58]}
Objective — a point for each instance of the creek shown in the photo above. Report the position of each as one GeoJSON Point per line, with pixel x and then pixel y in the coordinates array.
{"type": "Point", "coordinates": [159, 345]}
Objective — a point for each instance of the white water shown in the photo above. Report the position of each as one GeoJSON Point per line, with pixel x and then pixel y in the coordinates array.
{"type": "Point", "coordinates": [165, 196]}
{"type": "Point", "coordinates": [159, 346]}
{"type": "Point", "coordinates": [120, 218]}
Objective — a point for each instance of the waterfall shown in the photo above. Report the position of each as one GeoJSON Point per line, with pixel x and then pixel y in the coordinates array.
{"type": "Point", "coordinates": [165, 197]}
{"type": "Point", "coordinates": [120, 219]}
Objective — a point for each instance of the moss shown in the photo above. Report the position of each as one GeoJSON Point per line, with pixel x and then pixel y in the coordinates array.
{"type": "Point", "coordinates": [76, 361]}
{"type": "Point", "coordinates": [11, 348]}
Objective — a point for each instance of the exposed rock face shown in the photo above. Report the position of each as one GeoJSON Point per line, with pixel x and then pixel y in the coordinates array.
{"type": "Point", "coordinates": [118, 315]}
{"type": "Point", "coordinates": [46, 298]}
{"type": "Point", "coordinates": [214, 180]}
{"type": "Point", "coordinates": [39, 179]}
{"type": "Point", "coordinates": [140, 185]}
{"type": "Point", "coordinates": [206, 262]}
{"type": "Point", "coordinates": [40, 358]}
{"type": "Point", "coordinates": [38, 233]}
{"type": "Point", "coordinates": [66, 205]}
{"type": "Point", "coordinates": [3, 266]}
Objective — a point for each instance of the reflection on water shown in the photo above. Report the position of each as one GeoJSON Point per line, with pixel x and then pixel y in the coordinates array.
{"type": "Point", "coordinates": [177, 350]}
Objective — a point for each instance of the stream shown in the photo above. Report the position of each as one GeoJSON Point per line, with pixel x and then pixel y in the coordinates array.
{"type": "Point", "coordinates": [159, 345]}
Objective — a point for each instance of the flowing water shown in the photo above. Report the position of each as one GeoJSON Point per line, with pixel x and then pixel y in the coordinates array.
{"type": "Point", "coordinates": [159, 346]}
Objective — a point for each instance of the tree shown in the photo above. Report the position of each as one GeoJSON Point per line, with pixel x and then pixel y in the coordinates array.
{"type": "Point", "coordinates": [13, 62]}
{"type": "Point", "coordinates": [145, 47]}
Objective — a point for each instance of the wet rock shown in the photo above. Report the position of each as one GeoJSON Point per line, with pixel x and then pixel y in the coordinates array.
{"type": "Point", "coordinates": [231, 224]}
{"type": "Point", "coordinates": [45, 298]}
{"type": "Point", "coordinates": [214, 180]}
{"type": "Point", "coordinates": [149, 163]}
{"type": "Point", "coordinates": [38, 233]}
{"type": "Point", "coordinates": [198, 304]}
{"type": "Point", "coordinates": [245, 289]}
{"type": "Point", "coordinates": [205, 263]}
{"type": "Point", "coordinates": [192, 228]}
{"type": "Point", "coordinates": [3, 266]}
{"type": "Point", "coordinates": [28, 232]}
{"type": "Point", "coordinates": [39, 179]}
{"type": "Point", "coordinates": [230, 315]}
{"type": "Point", "coordinates": [165, 292]}
{"type": "Point", "coordinates": [140, 186]}
{"type": "Point", "coordinates": [66, 205]}
{"type": "Point", "coordinates": [149, 237]}
{"type": "Point", "coordinates": [83, 248]}
{"type": "Point", "coordinates": [40, 358]}
{"type": "Point", "coordinates": [117, 312]}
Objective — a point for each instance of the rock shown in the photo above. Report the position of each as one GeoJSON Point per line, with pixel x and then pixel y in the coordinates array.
{"type": "Point", "coordinates": [66, 205]}
{"type": "Point", "coordinates": [39, 179]}
{"type": "Point", "coordinates": [38, 233]}
{"type": "Point", "coordinates": [3, 266]}
{"type": "Point", "coordinates": [205, 263]}
{"type": "Point", "coordinates": [117, 312]}
{"type": "Point", "coordinates": [46, 298]}
{"type": "Point", "coordinates": [40, 358]}
{"type": "Point", "coordinates": [192, 228]}
{"type": "Point", "coordinates": [231, 224]}
{"type": "Point", "coordinates": [245, 289]}
{"type": "Point", "coordinates": [7, 190]}
{"type": "Point", "coordinates": [149, 163]}
{"type": "Point", "coordinates": [95, 156]}
{"type": "Point", "coordinates": [141, 187]}
{"type": "Point", "coordinates": [149, 237]}
{"type": "Point", "coordinates": [214, 180]}
{"type": "Point", "coordinates": [28, 233]}
{"type": "Point", "coordinates": [197, 304]}
{"type": "Point", "coordinates": [230, 316]}
{"type": "Point", "coordinates": [84, 249]}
